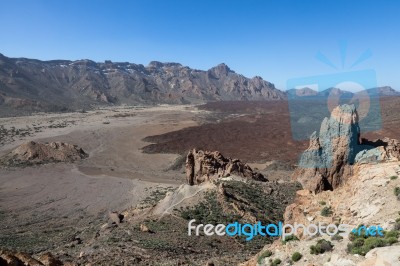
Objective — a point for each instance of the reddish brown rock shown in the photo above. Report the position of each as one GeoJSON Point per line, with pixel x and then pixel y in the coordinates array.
{"type": "Point", "coordinates": [203, 166]}
{"type": "Point", "coordinates": [40, 153]}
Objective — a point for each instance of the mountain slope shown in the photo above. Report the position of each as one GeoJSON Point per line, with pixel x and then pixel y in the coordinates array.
{"type": "Point", "coordinates": [33, 85]}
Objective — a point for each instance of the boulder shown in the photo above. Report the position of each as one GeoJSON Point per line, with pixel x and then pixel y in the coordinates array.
{"type": "Point", "coordinates": [382, 256]}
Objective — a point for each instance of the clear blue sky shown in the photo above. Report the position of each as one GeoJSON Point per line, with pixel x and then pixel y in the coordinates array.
{"type": "Point", "coordinates": [277, 40]}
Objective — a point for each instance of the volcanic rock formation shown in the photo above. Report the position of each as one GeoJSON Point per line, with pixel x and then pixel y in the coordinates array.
{"type": "Point", "coordinates": [327, 162]}
{"type": "Point", "coordinates": [384, 150]}
{"type": "Point", "coordinates": [202, 166]}
{"type": "Point", "coordinates": [40, 153]}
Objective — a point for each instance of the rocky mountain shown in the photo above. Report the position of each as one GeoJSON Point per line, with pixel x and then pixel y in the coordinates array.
{"type": "Point", "coordinates": [57, 85]}
{"type": "Point", "coordinates": [335, 92]}
{"type": "Point", "coordinates": [386, 91]}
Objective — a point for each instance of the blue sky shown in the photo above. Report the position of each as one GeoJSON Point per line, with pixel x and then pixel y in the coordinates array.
{"type": "Point", "coordinates": [277, 40]}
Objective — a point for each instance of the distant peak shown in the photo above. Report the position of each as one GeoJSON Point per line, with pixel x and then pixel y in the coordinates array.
{"type": "Point", "coordinates": [157, 64]}
{"type": "Point", "coordinates": [221, 70]}
{"type": "Point", "coordinates": [222, 66]}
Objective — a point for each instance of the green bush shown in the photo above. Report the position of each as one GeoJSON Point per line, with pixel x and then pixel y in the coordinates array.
{"type": "Point", "coordinates": [276, 262]}
{"type": "Point", "coordinates": [397, 224]}
{"type": "Point", "coordinates": [391, 240]}
{"type": "Point", "coordinates": [393, 177]}
{"type": "Point", "coordinates": [397, 192]}
{"type": "Point", "coordinates": [321, 247]}
{"type": "Point", "coordinates": [326, 211]}
{"type": "Point", "coordinates": [389, 234]}
{"type": "Point", "coordinates": [361, 244]}
{"type": "Point", "coordinates": [296, 256]}
{"type": "Point", "coordinates": [264, 255]}
{"type": "Point", "coordinates": [336, 237]}
{"type": "Point", "coordinates": [289, 238]}
{"type": "Point", "coordinates": [322, 203]}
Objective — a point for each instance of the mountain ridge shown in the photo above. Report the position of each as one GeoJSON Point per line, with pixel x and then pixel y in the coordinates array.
{"type": "Point", "coordinates": [378, 91]}
{"type": "Point", "coordinates": [56, 85]}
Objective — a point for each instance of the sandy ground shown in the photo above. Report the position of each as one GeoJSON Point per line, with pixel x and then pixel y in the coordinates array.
{"type": "Point", "coordinates": [116, 176]}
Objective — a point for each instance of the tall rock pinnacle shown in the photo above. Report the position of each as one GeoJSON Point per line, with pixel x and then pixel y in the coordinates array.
{"type": "Point", "coordinates": [327, 162]}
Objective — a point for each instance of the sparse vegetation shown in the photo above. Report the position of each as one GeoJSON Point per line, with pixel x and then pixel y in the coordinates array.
{"type": "Point", "coordinates": [397, 224]}
{"type": "Point", "coordinates": [296, 256]}
{"type": "Point", "coordinates": [156, 195]}
{"type": "Point", "coordinates": [396, 192]}
{"type": "Point", "coordinates": [264, 255]}
{"type": "Point", "coordinates": [326, 211]}
{"type": "Point", "coordinates": [336, 237]}
{"type": "Point", "coordinates": [209, 211]}
{"type": "Point", "coordinates": [239, 202]}
{"type": "Point", "coordinates": [361, 244]}
{"type": "Point", "coordinates": [276, 262]}
{"type": "Point", "coordinates": [321, 247]}
{"type": "Point", "coordinates": [289, 238]}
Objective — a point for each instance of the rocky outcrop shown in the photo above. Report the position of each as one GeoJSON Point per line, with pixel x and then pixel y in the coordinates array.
{"type": "Point", "coordinates": [382, 256]}
{"type": "Point", "coordinates": [20, 258]}
{"type": "Point", "coordinates": [203, 166]}
{"type": "Point", "coordinates": [328, 161]}
{"type": "Point", "coordinates": [380, 150]}
{"type": "Point", "coordinates": [40, 153]}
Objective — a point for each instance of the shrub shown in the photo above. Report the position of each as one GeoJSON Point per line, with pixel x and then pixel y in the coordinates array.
{"type": "Point", "coordinates": [296, 256]}
{"type": "Point", "coordinates": [326, 211]}
{"type": "Point", "coordinates": [322, 246]}
{"type": "Point", "coordinates": [397, 224]}
{"type": "Point", "coordinates": [361, 244]}
{"type": "Point", "coordinates": [336, 237]}
{"type": "Point", "coordinates": [276, 262]}
{"type": "Point", "coordinates": [264, 255]}
{"type": "Point", "coordinates": [396, 191]}
{"type": "Point", "coordinates": [389, 234]}
{"type": "Point", "coordinates": [289, 238]}
{"type": "Point", "coordinates": [391, 240]}
{"type": "Point", "coordinates": [322, 203]}
{"type": "Point", "coordinates": [393, 177]}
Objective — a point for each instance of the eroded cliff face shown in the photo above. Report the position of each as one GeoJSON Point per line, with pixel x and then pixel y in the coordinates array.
{"type": "Point", "coordinates": [328, 162]}
{"type": "Point", "coordinates": [203, 166]}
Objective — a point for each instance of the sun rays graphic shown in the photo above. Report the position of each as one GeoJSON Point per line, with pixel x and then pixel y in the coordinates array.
{"type": "Point", "coordinates": [343, 53]}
